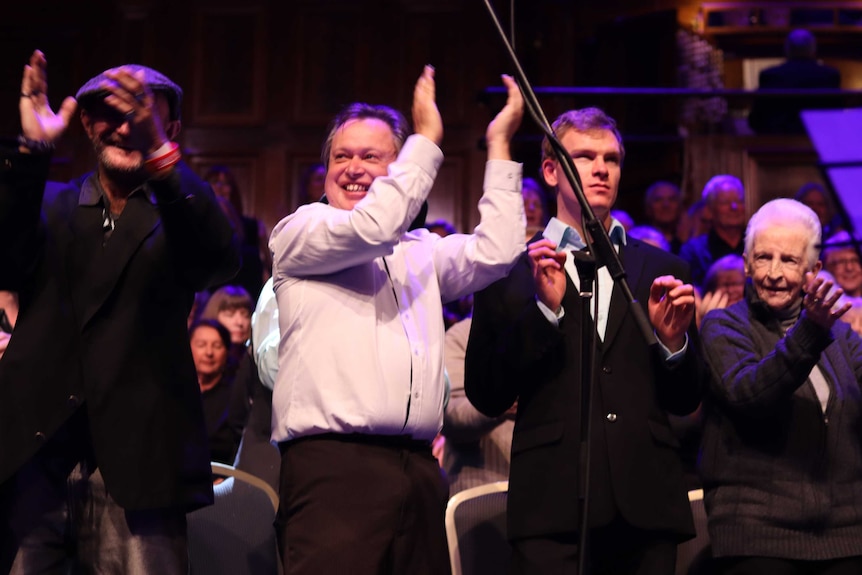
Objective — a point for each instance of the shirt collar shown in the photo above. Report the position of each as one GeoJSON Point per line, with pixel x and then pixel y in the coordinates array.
{"type": "Point", "coordinates": [93, 195]}
{"type": "Point", "coordinates": [567, 237]}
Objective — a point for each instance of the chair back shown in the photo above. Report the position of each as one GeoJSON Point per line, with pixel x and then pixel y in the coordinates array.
{"type": "Point", "coordinates": [476, 530]}
{"type": "Point", "coordinates": [235, 536]}
{"type": "Point", "coordinates": [693, 557]}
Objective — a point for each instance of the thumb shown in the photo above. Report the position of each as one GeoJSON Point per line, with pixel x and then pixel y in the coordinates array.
{"type": "Point", "coordinates": [67, 109]}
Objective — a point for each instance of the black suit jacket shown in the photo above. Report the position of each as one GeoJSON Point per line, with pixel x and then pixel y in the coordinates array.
{"type": "Point", "coordinates": [515, 352]}
{"type": "Point", "coordinates": [103, 327]}
{"type": "Point", "coordinates": [781, 115]}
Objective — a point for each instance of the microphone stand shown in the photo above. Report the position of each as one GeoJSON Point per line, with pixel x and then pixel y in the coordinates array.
{"type": "Point", "coordinates": [585, 263]}
{"type": "Point", "coordinates": [596, 237]}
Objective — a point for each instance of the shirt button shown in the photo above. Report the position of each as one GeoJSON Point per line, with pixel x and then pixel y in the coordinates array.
{"type": "Point", "coordinates": [612, 417]}
{"type": "Point", "coordinates": [606, 369]}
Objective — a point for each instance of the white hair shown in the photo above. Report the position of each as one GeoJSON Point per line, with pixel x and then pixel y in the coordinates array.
{"type": "Point", "coordinates": [716, 183]}
{"type": "Point", "coordinates": [785, 212]}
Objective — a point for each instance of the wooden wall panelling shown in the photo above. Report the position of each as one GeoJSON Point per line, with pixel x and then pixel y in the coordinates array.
{"type": "Point", "coordinates": [245, 169]}
{"type": "Point", "coordinates": [229, 65]}
{"type": "Point", "coordinates": [455, 72]}
{"type": "Point", "coordinates": [334, 49]}
{"type": "Point", "coordinates": [769, 166]}
{"type": "Point", "coordinates": [444, 201]}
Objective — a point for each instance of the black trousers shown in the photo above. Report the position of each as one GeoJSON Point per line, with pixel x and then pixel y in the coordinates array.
{"type": "Point", "coordinates": [359, 504]}
{"type": "Point", "coordinates": [615, 549]}
{"type": "Point", "coordinates": [773, 566]}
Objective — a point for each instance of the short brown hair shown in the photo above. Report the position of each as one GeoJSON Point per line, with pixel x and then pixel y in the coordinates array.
{"type": "Point", "coordinates": [583, 120]}
{"type": "Point", "coordinates": [227, 298]}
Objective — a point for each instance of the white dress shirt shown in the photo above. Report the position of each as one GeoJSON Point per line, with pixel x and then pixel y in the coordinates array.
{"type": "Point", "coordinates": [360, 300]}
{"type": "Point", "coordinates": [567, 238]}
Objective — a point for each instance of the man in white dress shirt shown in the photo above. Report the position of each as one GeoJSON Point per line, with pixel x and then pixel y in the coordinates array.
{"type": "Point", "coordinates": [359, 391]}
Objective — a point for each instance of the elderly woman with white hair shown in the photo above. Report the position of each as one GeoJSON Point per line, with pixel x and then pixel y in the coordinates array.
{"type": "Point", "coordinates": [781, 460]}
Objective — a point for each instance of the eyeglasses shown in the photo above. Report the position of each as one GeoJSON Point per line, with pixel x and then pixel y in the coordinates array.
{"type": "Point", "coordinates": [851, 262]}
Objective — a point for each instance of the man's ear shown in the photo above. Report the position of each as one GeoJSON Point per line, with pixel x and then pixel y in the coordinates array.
{"type": "Point", "coordinates": [549, 172]}
{"type": "Point", "coordinates": [817, 267]}
{"type": "Point", "coordinates": [86, 121]}
{"type": "Point", "coordinates": [172, 129]}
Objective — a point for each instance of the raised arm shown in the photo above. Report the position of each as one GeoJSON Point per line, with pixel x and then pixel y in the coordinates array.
{"type": "Point", "coordinates": [467, 263]}
{"type": "Point", "coordinates": [40, 126]}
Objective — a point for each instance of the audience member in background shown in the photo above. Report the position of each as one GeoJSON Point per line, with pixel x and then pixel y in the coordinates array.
{"type": "Point", "coordinates": [780, 115]}
{"type": "Point", "coordinates": [198, 305]}
{"type": "Point", "coordinates": [624, 219]}
{"type": "Point", "coordinates": [224, 409]}
{"type": "Point", "coordinates": [256, 258]}
{"type": "Point", "coordinates": [232, 307]}
{"type": "Point", "coordinates": [841, 259]}
{"type": "Point", "coordinates": [311, 183]}
{"type": "Point", "coordinates": [663, 210]}
{"type": "Point", "coordinates": [725, 196]}
{"type": "Point", "coordinates": [724, 285]}
{"type": "Point", "coordinates": [650, 235]}
{"type": "Point", "coordinates": [815, 197]}
{"type": "Point", "coordinates": [8, 317]}
{"type": "Point", "coordinates": [453, 311]}
{"type": "Point", "coordinates": [440, 227]}
{"type": "Point", "coordinates": [782, 452]}
{"type": "Point", "coordinates": [695, 221]}
{"type": "Point", "coordinates": [477, 447]}
{"type": "Point", "coordinates": [536, 206]}
{"type": "Point", "coordinates": [256, 454]}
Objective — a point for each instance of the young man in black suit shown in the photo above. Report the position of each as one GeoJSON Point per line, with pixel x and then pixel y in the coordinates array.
{"type": "Point", "coordinates": [524, 345]}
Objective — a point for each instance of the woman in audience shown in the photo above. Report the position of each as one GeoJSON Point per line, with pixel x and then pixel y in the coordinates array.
{"type": "Point", "coordinates": [232, 307]}
{"type": "Point", "coordinates": [782, 451]}
{"type": "Point", "coordinates": [256, 257]}
{"type": "Point", "coordinates": [224, 410]}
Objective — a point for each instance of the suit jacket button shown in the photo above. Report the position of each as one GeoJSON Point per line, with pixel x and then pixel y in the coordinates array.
{"type": "Point", "coordinates": [612, 417]}
{"type": "Point", "coordinates": [40, 436]}
{"type": "Point", "coordinates": [74, 401]}
{"type": "Point", "coordinates": [606, 369]}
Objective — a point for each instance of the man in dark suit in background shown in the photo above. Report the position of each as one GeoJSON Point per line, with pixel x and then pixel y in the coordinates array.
{"type": "Point", "coordinates": [780, 115]}
{"type": "Point", "coordinates": [103, 448]}
{"type": "Point", "coordinates": [525, 344]}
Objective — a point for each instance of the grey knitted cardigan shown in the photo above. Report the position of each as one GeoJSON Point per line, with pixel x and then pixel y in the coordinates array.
{"type": "Point", "coordinates": [781, 478]}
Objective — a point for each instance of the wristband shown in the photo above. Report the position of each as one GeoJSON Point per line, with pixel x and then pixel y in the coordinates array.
{"type": "Point", "coordinates": [161, 162]}
{"type": "Point", "coordinates": [36, 146]}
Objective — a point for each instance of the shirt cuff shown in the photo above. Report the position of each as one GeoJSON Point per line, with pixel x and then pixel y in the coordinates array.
{"type": "Point", "coordinates": [423, 152]}
{"type": "Point", "coordinates": [549, 314]}
{"type": "Point", "coordinates": [503, 175]}
{"type": "Point", "coordinates": [672, 359]}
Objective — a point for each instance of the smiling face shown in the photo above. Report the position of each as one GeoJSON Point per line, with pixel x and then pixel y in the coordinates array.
{"type": "Point", "coordinates": [112, 138]}
{"type": "Point", "coordinates": [362, 150]}
{"type": "Point", "coordinates": [777, 265]}
{"type": "Point", "coordinates": [843, 263]}
{"type": "Point", "coordinates": [598, 158]}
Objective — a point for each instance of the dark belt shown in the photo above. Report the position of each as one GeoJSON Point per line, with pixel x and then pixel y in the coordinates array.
{"type": "Point", "coordinates": [394, 441]}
